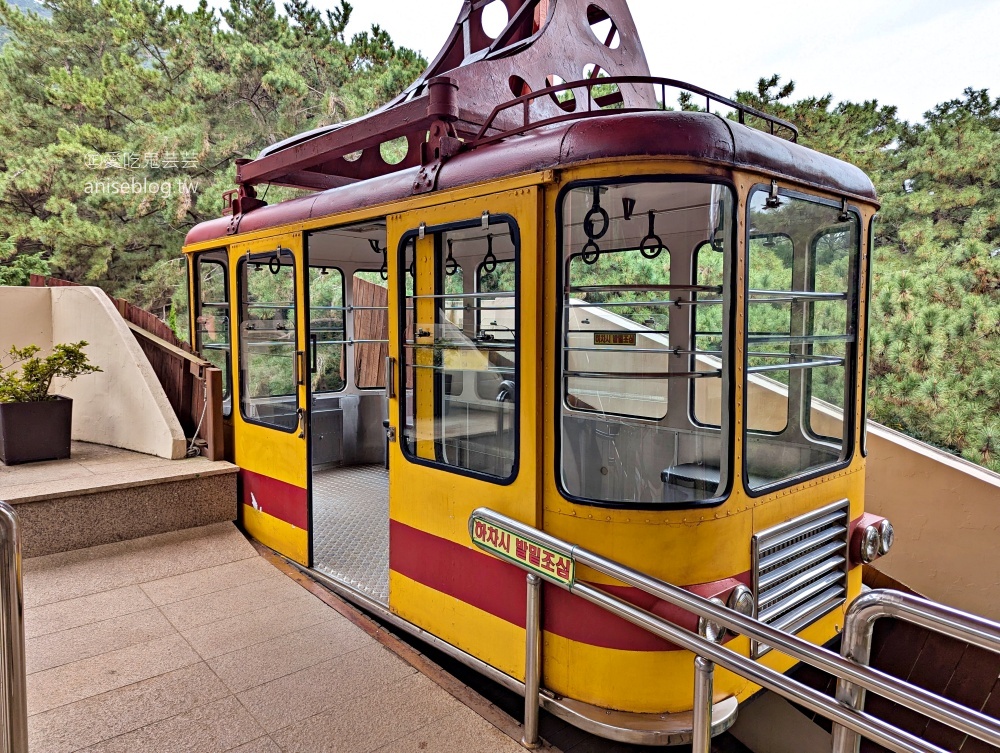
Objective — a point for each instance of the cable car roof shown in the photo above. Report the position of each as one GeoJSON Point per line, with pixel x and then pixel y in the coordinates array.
{"type": "Point", "coordinates": [460, 125]}
{"type": "Point", "coordinates": [684, 135]}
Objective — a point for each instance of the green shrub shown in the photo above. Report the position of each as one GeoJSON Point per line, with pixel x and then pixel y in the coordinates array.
{"type": "Point", "coordinates": [26, 378]}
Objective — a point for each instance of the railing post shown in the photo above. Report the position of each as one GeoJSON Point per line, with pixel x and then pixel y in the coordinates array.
{"type": "Point", "coordinates": [14, 708]}
{"type": "Point", "coordinates": [704, 682]}
{"type": "Point", "coordinates": [532, 661]}
{"type": "Point", "coordinates": [855, 645]}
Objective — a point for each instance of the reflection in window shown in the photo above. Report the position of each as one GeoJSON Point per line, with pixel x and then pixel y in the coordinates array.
{"type": "Point", "coordinates": [268, 339]}
{"type": "Point", "coordinates": [327, 335]}
{"type": "Point", "coordinates": [801, 335]}
{"type": "Point", "coordinates": [460, 347]}
{"type": "Point", "coordinates": [370, 302]}
{"type": "Point", "coordinates": [212, 333]}
{"type": "Point", "coordinates": [631, 356]}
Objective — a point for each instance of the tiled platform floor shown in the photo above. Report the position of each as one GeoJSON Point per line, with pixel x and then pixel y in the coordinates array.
{"type": "Point", "coordinates": [189, 641]}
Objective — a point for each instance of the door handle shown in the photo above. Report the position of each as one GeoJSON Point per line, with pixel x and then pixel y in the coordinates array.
{"type": "Point", "coordinates": [390, 377]}
{"type": "Point", "coordinates": [300, 367]}
{"type": "Point", "coordinates": [314, 342]}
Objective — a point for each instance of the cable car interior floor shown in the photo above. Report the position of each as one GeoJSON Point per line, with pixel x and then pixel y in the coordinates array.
{"type": "Point", "coordinates": [351, 527]}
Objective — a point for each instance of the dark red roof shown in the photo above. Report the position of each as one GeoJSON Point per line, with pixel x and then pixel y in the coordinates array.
{"type": "Point", "coordinates": [693, 135]}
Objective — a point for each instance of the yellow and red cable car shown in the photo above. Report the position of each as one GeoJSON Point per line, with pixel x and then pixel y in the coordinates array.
{"type": "Point", "coordinates": [638, 330]}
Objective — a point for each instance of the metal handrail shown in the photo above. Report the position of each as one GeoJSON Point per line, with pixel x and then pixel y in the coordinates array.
{"type": "Point", "coordinates": [13, 683]}
{"type": "Point", "coordinates": [526, 123]}
{"type": "Point", "coordinates": [929, 704]}
{"type": "Point", "coordinates": [859, 625]}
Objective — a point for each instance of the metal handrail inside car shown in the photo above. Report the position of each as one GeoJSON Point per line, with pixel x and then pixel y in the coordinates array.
{"type": "Point", "coordinates": [845, 668]}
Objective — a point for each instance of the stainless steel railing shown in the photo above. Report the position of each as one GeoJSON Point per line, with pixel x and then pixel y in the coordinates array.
{"type": "Point", "coordinates": [13, 691]}
{"type": "Point", "coordinates": [497, 533]}
{"type": "Point", "coordinates": [859, 625]}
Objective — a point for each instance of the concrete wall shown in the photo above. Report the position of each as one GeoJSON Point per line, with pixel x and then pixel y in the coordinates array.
{"type": "Point", "coordinates": [123, 406]}
{"type": "Point", "coordinates": [25, 318]}
{"type": "Point", "coordinates": [945, 512]}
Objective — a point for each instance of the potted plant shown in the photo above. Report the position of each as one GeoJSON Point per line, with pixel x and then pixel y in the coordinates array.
{"type": "Point", "coordinates": [35, 425]}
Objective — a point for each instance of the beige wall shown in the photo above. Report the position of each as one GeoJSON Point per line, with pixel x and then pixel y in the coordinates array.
{"type": "Point", "coordinates": [123, 406]}
{"type": "Point", "coordinates": [945, 512]}
{"type": "Point", "coordinates": [25, 318]}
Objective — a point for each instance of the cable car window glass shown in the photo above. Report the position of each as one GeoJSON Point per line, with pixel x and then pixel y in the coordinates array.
{"type": "Point", "coordinates": [212, 323]}
{"type": "Point", "coordinates": [500, 278]}
{"type": "Point", "coordinates": [370, 302]}
{"type": "Point", "coordinates": [803, 278]}
{"type": "Point", "coordinates": [769, 320]}
{"type": "Point", "coordinates": [268, 393]}
{"type": "Point", "coordinates": [327, 336]}
{"type": "Point", "coordinates": [630, 357]}
{"type": "Point", "coordinates": [469, 430]}
{"type": "Point", "coordinates": [706, 404]}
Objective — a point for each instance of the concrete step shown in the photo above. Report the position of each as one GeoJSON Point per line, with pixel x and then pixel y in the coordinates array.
{"type": "Point", "coordinates": [103, 494]}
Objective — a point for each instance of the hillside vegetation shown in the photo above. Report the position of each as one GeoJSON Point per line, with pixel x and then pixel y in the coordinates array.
{"type": "Point", "coordinates": [935, 329]}
{"type": "Point", "coordinates": [122, 119]}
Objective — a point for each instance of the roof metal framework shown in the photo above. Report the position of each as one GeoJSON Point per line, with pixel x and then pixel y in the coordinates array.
{"type": "Point", "coordinates": [555, 60]}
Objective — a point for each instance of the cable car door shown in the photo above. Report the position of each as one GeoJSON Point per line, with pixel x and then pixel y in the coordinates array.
{"type": "Point", "coordinates": [464, 413]}
{"type": "Point", "coordinates": [270, 384]}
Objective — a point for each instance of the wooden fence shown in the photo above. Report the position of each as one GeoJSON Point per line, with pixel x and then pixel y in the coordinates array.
{"type": "Point", "coordinates": [186, 378]}
{"type": "Point", "coordinates": [369, 358]}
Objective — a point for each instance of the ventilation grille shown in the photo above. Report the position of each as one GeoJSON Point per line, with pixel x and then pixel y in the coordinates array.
{"type": "Point", "coordinates": [800, 569]}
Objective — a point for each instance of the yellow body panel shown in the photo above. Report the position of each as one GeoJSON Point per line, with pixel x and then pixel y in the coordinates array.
{"type": "Point", "coordinates": [636, 681]}
{"type": "Point", "coordinates": [291, 541]}
{"type": "Point", "coordinates": [491, 639]}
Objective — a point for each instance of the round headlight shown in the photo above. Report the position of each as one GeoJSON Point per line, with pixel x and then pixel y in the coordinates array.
{"type": "Point", "coordinates": [870, 543]}
{"type": "Point", "coordinates": [709, 629]}
{"type": "Point", "coordinates": [886, 536]}
{"type": "Point", "coordinates": [741, 600]}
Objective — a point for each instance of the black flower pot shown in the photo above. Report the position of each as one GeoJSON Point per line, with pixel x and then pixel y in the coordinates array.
{"type": "Point", "coordinates": [35, 431]}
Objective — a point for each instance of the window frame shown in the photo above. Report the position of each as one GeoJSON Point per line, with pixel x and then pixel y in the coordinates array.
{"type": "Point", "coordinates": [866, 258]}
{"type": "Point", "coordinates": [343, 300]}
{"type": "Point", "coordinates": [850, 359]}
{"type": "Point", "coordinates": [728, 370]}
{"type": "Point", "coordinates": [198, 260]}
{"type": "Point", "coordinates": [695, 421]}
{"type": "Point", "coordinates": [411, 236]}
{"type": "Point", "coordinates": [242, 263]}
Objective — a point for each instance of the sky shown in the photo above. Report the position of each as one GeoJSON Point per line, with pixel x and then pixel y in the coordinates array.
{"type": "Point", "coordinates": [912, 54]}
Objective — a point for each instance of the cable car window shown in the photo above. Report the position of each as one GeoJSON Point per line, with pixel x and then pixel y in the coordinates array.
{"type": "Point", "coordinates": [212, 323]}
{"type": "Point", "coordinates": [370, 302]}
{"type": "Point", "coordinates": [631, 355]}
{"type": "Point", "coordinates": [801, 342]}
{"type": "Point", "coordinates": [327, 335]}
{"type": "Point", "coordinates": [445, 348]}
{"type": "Point", "coordinates": [268, 393]}
{"type": "Point", "coordinates": [769, 320]}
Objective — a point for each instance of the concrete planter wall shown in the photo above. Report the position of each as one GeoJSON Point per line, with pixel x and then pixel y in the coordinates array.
{"type": "Point", "coordinates": [35, 431]}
